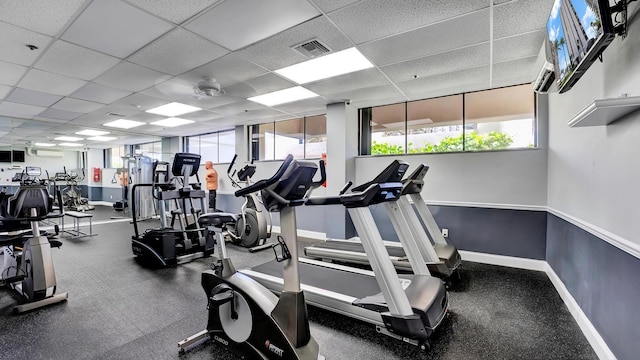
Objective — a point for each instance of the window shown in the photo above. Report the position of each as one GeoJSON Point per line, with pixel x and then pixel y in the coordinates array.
{"type": "Point", "coordinates": [485, 120]}
{"type": "Point", "coordinates": [289, 139]}
{"type": "Point", "coordinates": [304, 138]}
{"type": "Point", "coordinates": [218, 147]}
{"type": "Point", "coordinates": [315, 136]}
{"type": "Point", "coordinates": [500, 119]}
{"type": "Point", "coordinates": [434, 124]}
{"type": "Point", "coordinates": [113, 157]}
{"type": "Point", "coordinates": [152, 149]}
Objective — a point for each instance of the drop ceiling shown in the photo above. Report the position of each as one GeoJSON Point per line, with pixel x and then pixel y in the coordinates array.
{"type": "Point", "coordinates": [101, 60]}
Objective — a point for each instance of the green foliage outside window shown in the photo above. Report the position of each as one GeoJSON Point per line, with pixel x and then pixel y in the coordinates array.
{"type": "Point", "coordinates": [472, 142]}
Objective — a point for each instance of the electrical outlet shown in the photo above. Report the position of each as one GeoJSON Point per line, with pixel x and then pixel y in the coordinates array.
{"type": "Point", "coordinates": [445, 232]}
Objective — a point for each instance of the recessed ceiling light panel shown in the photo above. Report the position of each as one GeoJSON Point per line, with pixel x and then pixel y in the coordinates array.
{"type": "Point", "coordinates": [173, 109]}
{"type": "Point", "coordinates": [44, 144]}
{"type": "Point", "coordinates": [339, 63]}
{"type": "Point", "coordinates": [68, 138]}
{"type": "Point", "coordinates": [172, 122]}
{"type": "Point", "coordinates": [90, 132]}
{"type": "Point", "coordinates": [124, 124]}
{"type": "Point", "coordinates": [70, 144]}
{"type": "Point", "coordinates": [284, 96]}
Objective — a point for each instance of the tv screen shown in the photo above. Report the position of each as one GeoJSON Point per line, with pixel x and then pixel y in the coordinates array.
{"type": "Point", "coordinates": [5, 156]}
{"type": "Point", "coordinates": [579, 30]}
{"type": "Point", "coordinates": [18, 155]}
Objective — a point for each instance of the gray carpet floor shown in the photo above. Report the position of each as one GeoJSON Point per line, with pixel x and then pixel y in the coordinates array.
{"type": "Point", "coordinates": [118, 309]}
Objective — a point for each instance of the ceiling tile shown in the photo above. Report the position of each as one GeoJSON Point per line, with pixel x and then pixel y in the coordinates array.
{"type": "Point", "coordinates": [372, 93]}
{"type": "Point", "coordinates": [448, 35]}
{"type": "Point", "coordinates": [359, 79]}
{"type": "Point", "coordinates": [232, 26]}
{"type": "Point", "coordinates": [277, 52]}
{"type": "Point", "coordinates": [208, 102]}
{"type": "Point", "coordinates": [374, 19]}
{"type": "Point", "coordinates": [128, 76]}
{"type": "Point", "coordinates": [4, 90]}
{"type": "Point", "coordinates": [174, 11]}
{"type": "Point", "coordinates": [510, 81]}
{"type": "Point", "coordinates": [51, 120]}
{"type": "Point", "coordinates": [43, 16]}
{"type": "Point", "coordinates": [140, 101]}
{"type": "Point", "coordinates": [515, 68]}
{"type": "Point", "coordinates": [19, 110]}
{"type": "Point", "coordinates": [330, 5]}
{"type": "Point", "coordinates": [95, 118]}
{"type": "Point", "coordinates": [81, 106]}
{"type": "Point", "coordinates": [36, 125]}
{"type": "Point", "coordinates": [50, 83]}
{"type": "Point", "coordinates": [177, 52]}
{"type": "Point", "coordinates": [10, 74]}
{"type": "Point", "coordinates": [60, 114]}
{"type": "Point", "coordinates": [443, 81]}
{"type": "Point", "coordinates": [30, 97]}
{"type": "Point", "coordinates": [518, 47]}
{"type": "Point", "coordinates": [258, 85]}
{"type": "Point", "coordinates": [13, 40]}
{"type": "Point", "coordinates": [226, 70]}
{"type": "Point", "coordinates": [447, 62]}
{"type": "Point", "coordinates": [145, 117]}
{"type": "Point", "coordinates": [99, 93]}
{"type": "Point", "coordinates": [303, 105]}
{"type": "Point", "coordinates": [115, 28]}
{"type": "Point", "coordinates": [75, 61]}
{"type": "Point", "coordinates": [260, 114]}
{"type": "Point", "coordinates": [520, 16]}
{"type": "Point", "coordinates": [201, 115]}
{"type": "Point", "coordinates": [237, 107]}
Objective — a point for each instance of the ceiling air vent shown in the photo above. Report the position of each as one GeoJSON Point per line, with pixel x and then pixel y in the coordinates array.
{"type": "Point", "coordinates": [312, 48]}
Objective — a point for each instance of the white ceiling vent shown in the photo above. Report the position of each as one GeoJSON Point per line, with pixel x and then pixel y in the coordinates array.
{"type": "Point", "coordinates": [48, 153]}
{"type": "Point", "coordinates": [312, 48]}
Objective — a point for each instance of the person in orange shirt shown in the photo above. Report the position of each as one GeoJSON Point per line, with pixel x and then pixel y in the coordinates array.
{"type": "Point", "coordinates": [212, 184]}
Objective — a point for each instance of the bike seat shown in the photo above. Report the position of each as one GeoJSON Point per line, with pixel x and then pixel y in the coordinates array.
{"type": "Point", "coordinates": [217, 219]}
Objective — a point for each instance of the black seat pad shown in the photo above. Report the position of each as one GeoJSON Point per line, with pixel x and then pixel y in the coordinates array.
{"type": "Point", "coordinates": [217, 219]}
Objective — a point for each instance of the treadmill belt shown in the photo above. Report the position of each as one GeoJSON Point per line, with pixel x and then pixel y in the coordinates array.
{"type": "Point", "coordinates": [357, 247]}
{"type": "Point", "coordinates": [339, 281]}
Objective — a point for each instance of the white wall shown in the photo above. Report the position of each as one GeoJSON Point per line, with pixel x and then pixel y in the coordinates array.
{"type": "Point", "coordinates": [70, 159]}
{"type": "Point", "coordinates": [594, 172]}
{"type": "Point", "coordinates": [512, 178]}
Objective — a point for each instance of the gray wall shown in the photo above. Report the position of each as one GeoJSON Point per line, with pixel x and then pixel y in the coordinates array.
{"type": "Point", "coordinates": [604, 281]}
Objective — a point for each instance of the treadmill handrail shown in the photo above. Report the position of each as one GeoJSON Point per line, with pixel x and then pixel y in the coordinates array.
{"type": "Point", "coordinates": [262, 184]}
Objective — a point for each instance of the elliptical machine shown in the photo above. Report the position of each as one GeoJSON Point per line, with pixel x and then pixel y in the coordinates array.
{"type": "Point", "coordinates": [166, 245]}
{"type": "Point", "coordinates": [28, 266]}
{"type": "Point", "coordinates": [73, 197]}
{"type": "Point", "coordinates": [250, 230]}
{"type": "Point", "coordinates": [245, 317]}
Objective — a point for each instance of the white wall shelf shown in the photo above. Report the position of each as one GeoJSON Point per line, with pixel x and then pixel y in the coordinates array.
{"type": "Point", "coordinates": [605, 111]}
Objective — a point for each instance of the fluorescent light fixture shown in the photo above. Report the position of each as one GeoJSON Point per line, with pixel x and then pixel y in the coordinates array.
{"type": "Point", "coordinates": [68, 138]}
{"type": "Point", "coordinates": [173, 109]}
{"type": "Point", "coordinates": [90, 132]}
{"type": "Point", "coordinates": [339, 63]}
{"type": "Point", "coordinates": [44, 144]}
{"type": "Point", "coordinates": [102, 138]}
{"type": "Point", "coordinates": [172, 122]}
{"type": "Point", "coordinates": [284, 96]}
{"type": "Point", "coordinates": [70, 144]}
{"type": "Point", "coordinates": [123, 124]}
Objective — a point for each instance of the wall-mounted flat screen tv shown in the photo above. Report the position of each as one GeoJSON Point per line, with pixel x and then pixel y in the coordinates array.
{"type": "Point", "coordinates": [579, 31]}
{"type": "Point", "coordinates": [17, 155]}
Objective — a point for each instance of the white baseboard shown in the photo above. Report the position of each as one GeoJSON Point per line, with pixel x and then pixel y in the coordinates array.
{"type": "Point", "coordinates": [510, 261]}
{"type": "Point", "coordinates": [597, 342]}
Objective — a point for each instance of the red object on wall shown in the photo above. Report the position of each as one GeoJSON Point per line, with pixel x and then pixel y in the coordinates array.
{"type": "Point", "coordinates": [324, 158]}
{"type": "Point", "coordinates": [96, 174]}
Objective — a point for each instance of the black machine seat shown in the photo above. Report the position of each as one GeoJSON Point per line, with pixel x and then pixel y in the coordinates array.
{"type": "Point", "coordinates": [218, 220]}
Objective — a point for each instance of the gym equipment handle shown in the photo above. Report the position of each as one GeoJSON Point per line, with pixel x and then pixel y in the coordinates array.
{"type": "Point", "coordinates": [266, 182]}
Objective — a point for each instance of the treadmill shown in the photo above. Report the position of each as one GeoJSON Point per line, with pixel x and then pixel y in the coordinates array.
{"type": "Point", "coordinates": [407, 307]}
{"type": "Point", "coordinates": [442, 258]}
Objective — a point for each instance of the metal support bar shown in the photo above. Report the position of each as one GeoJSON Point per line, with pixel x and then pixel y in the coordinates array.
{"type": "Point", "coordinates": [385, 273]}
{"type": "Point", "coordinates": [425, 215]}
{"type": "Point", "coordinates": [420, 236]}
{"type": "Point", "coordinates": [288, 229]}
{"type": "Point", "coordinates": [407, 238]}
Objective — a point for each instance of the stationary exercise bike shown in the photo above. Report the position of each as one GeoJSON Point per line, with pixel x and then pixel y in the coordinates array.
{"type": "Point", "coordinates": [245, 317]}
{"type": "Point", "coordinates": [251, 229]}
{"type": "Point", "coordinates": [28, 266]}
